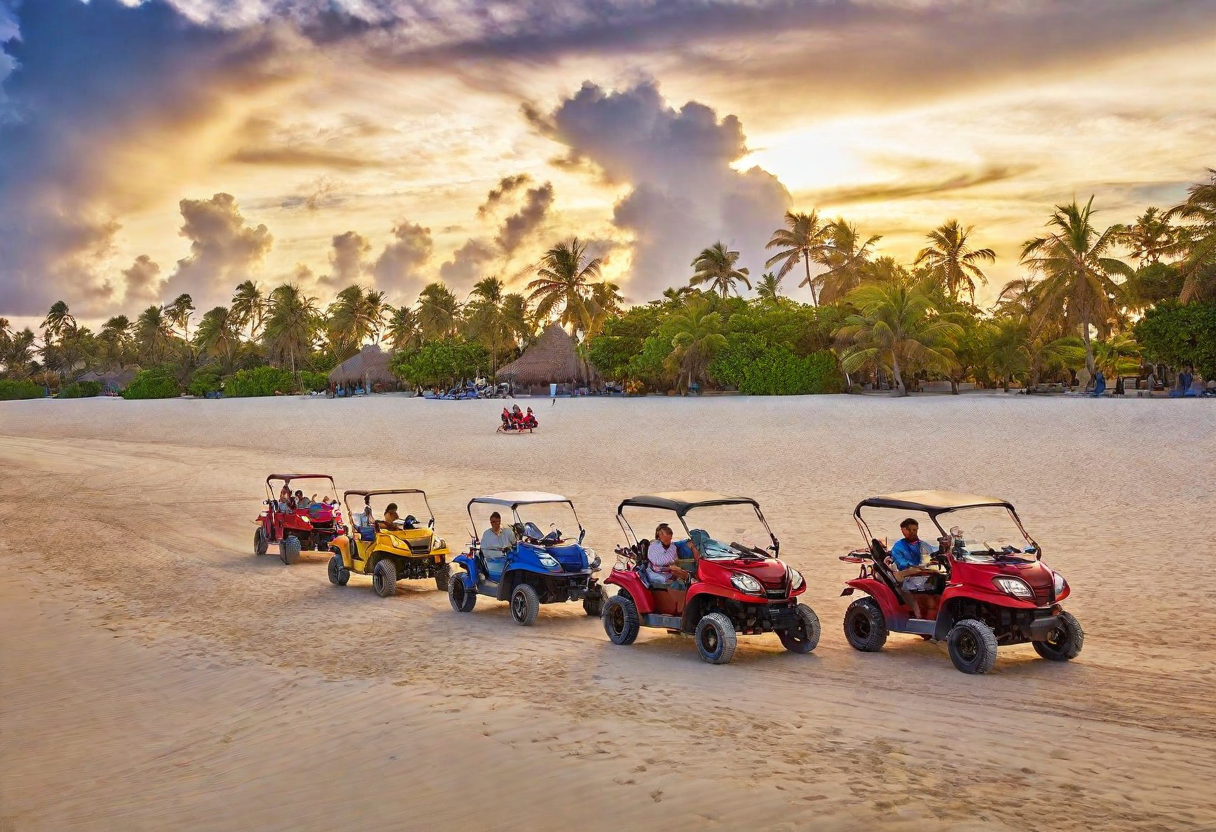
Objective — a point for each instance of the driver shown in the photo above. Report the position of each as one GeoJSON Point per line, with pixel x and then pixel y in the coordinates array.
{"type": "Point", "coordinates": [391, 516]}
{"type": "Point", "coordinates": [366, 518]}
{"type": "Point", "coordinates": [907, 558]}
{"type": "Point", "coordinates": [660, 556]}
{"type": "Point", "coordinates": [496, 541]}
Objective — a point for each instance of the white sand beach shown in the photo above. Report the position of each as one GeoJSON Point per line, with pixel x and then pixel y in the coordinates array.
{"type": "Point", "coordinates": [155, 674]}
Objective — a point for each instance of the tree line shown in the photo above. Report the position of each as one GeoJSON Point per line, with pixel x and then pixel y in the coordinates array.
{"type": "Point", "coordinates": [1091, 297]}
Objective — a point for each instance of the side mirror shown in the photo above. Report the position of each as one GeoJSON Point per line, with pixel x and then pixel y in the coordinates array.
{"type": "Point", "coordinates": [430, 524]}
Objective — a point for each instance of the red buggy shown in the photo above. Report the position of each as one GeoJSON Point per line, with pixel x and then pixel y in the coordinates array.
{"type": "Point", "coordinates": [294, 525]}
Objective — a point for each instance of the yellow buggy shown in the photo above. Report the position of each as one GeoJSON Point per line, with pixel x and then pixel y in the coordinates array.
{"type": "Point", "coordinates": [386, 547]}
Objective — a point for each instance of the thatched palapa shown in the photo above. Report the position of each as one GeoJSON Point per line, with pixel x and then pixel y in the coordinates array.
{"type": "Point", "coordinates": [553, 359]}
{"type": "Point", "coordinates": [369, 366]}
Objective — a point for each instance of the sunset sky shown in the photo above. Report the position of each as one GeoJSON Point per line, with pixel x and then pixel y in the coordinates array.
{"type": "Point", "coordinates": [184, 145]}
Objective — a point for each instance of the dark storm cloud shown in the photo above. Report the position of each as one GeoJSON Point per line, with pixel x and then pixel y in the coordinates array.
{"type": "Point", "coordinates": [399, 268]}
{"type": "Point", "coordinates": [519, 226]}
{"type": "Point", "coordinates": [468, 263]}
{"type": "Point", "coordinates": [223, 249]}
{"type": "Point", "coordinates": [143, 280]}
{"type": "Point", "coordinates": [685, 194]}
{"type": "Point", "coordinates": [348, 260]}
{"type": "Point", "coordinates": [506, 186]}
{"type": "Point", "coordinates": [90, 78]}
{"type": "Point", "coordinates": [948, 183]}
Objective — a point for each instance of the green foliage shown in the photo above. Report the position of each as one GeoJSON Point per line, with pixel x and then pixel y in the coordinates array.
{"type": "Point", "coordinates": [260, 381]}
{"type": "Point", "coordinates": [760, 370]}
{"type": "Point", "coordinates": [205, 380]}
{"type": "Point", "coordinates": [157, 383]}
{"type": "Point", "coordinates": [1180, 336]}
{"type": "Point", "coordinates": [13, 390]}
{"type": "Point", "coordinates": [313, 381]}
{"type": "Point", "coordinates": [1153, 283]}
{"type": "Point", "coordinates": [80, 390]}
{"type": "Point", "coordinates": [440, 362]}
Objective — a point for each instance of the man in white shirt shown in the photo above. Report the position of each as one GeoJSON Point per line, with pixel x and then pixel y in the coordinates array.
{"type": "Point", "coordinates": [496, 541]}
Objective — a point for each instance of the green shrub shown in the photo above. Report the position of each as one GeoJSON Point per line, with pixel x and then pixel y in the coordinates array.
{"type": "Point", "coordinates": [310, 380]}
{"type": "Point", "coordinates": [775, 371]}
{"type": "Point", "coordinates": [440, 362]}
{"type": "Point", "coordinates": [80, 390]}
{"type": "Point", "coordinates": [12, 390]}
{"type": "Point", "coordinates": [260, 381]}
{"type": "Point", "coordinates": [156, 383]}
{"type": "Point", "coordinates": [1180, 336]}
{"type": "Point", "coordinates": [205, 380]}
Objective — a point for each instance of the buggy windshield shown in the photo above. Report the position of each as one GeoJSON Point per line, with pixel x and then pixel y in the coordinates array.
{"type": "Point", "coordinates": [729, 531]}
{"type": "Point", "coordinates": [987, 534]}
{"type": "Point", "coordinates": [548, 523]}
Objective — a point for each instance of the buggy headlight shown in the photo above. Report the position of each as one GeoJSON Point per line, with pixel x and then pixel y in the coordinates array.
{"type": "Point", "coordinates": [438, 543]}
{"type": "Point", "coordinates": [593, 560]}
{"type": "Point", "coordinates": [746, 583]}
{"type": "Point", "coordinates": [549, 563]}
{"type": "Point", "coordinates": [1015, 587]}
{"type": "Point", "coordinates": [1058, 583]}
{"type": "Point", "coordinates": [796, 580]}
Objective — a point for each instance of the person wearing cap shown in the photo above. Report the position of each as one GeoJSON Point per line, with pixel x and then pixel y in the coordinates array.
{"type": "Point", "coordinates": [496, 541]}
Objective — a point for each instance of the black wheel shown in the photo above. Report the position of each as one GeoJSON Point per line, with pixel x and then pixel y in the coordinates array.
{"type": "Point", "coordinates": [289, 550]}
{"type": "Point", "coordinates": [525, 605]}
{"type": "Point", "coordinates": [805, 637]}
{"type": "Point", "coordinates": [384, 578]}
{"type": "Point", "coordinates": [1064, 642]}
{"type": "Point", "coordinates": [972, 646]}
{"type": "Point", "coordinates": [338, 574]}
{"type": "Point", "coordinates": [260, 544]}
{"type": "Point", "coordinates": [865, 627]}
{"type": "Point", "coordinates": [460, 596]}
{"type": "Point", "coordinates": [441, 577]}
{"type": "Point", "coordinates": [593, 604]}
{"type": "Point", "coordinates": [620, 619]}
{"type": "Point", "coordinates": [716, 639]}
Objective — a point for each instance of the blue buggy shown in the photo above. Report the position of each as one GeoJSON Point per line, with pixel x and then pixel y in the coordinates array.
{"type": "Point", "coordinates": [540, 568]}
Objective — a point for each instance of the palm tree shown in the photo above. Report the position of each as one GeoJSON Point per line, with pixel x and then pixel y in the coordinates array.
{"type": "Point", "coordinates": [487, 317]}
{"type": "Point", "coordinates": [1072, 259]}
{"type": "Point", "coordinates": [715, 268]}
{"type": "Point", "coordinates": [402, 331]}
{"type": "Point", "coordinates": [218, 336]}
{"type": "Point", "coordinates": [249, 306]}
{"type": "Point", "coordinates": [438, 311]}
{"type": "Point", "coordinates": [563, 280]}
{"type": "Point", "coordinates": [292, 322]}
{"type": "Point", "coordinates": [1117, 355]}
{"type": "Point", "coordinates": [1149, 237]}
{"type": "Point", "coordinates": [675, 295]}
{"type": "Point", "coordinates": [115, 338]}
{"type": "Point", "coordinates": [697, 337]}
{"type": "Point", "coordinates": [896, 329]}
{"type": "Point", "coordinates": [605, 302]}
{"type": "Point", "coordinates": [353, 317]}
{"type": "Point", "coordinates": [953, 263]}
{"type": "Point", "coordinates": [846, 258]}
{"type": "Point", "coordinates": [1197, 241]}
{"type": "Point", "coordinates": [179, 311]}
{"type": "Point", "coordinates": [768, 288]}
{"type": "Point", "coordinates": [153, 334]}
{"type": "Point", "coordinates": [18, 356]}
{"type": "Point", "coordinates": [58, 320]}
{"type": "Point", "coordinates": [804, 238]}
{"type": "Point", "coordinates": [375, 308]}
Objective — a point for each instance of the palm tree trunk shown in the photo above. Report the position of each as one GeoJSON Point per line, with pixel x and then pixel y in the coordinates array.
{"type": "Point", "coordinates": [900, 390]}
{"type": "Point", "coordinates": [806, 261]}
{"type": "Point", "coordinates": [1089, 350]}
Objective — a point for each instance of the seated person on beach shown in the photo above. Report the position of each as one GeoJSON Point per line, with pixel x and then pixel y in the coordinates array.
{"type": "Point", "coordinates": [366, 518]}
{"type": "Point", "coordinates": [302, 502]}
{"type": "Point", "coordinates": [907, 557]}
{"type": "Point", "coordinates": [506, 418]}
{"type": "Point", "coordinates": [517, 415]}
{"type": "Point", "coordinates": [661, 556]}
{"type": "Point", "coordinates": [496, 541]}
{"type": "Point", "coordinates": [285, 502]}
{"type": "Point", "coordinates": [530, 419]}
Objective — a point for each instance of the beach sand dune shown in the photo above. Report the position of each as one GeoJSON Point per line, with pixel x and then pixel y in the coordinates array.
{"type": "Point", "coordinates": [154, 674]}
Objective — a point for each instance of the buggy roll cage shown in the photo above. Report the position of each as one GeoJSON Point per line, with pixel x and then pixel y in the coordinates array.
{"type": "Point", "coordinates": [512, 500]}
{"type": "Point", "coordinates": [682, 502]}
{"type": "Point", "coordinates": [346, 495]}
{"type": "Point", "coordinates": [935, 504]}
{"type": "Point", "coordinates": [287, 479]}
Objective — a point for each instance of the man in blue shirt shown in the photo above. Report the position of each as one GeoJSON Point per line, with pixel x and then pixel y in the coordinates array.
{"type": "Point", "coordinates": [907, 559]}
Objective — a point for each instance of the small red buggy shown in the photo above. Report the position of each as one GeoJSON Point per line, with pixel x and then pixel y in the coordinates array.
{"type": "Point", "coordinates": [298, 524]}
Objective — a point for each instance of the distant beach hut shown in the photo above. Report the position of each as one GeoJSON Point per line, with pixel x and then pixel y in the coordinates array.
{"type": "Point", "coordinates": [553, 359]}
{"type": "Point", "coordinates": [112, 382]}
{"type": "Point", "coordinates": [367, 369]}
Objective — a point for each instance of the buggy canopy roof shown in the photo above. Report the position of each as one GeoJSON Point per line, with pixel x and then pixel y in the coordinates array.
{"type": "Point", "coordinates": [933, 502]}
{"type": "Point", "coordinates": [290, 477]}
{"type": "Point", "coordinates": [683, 501]}
{"type": "Point", "coordinates": [361, 493]}
{"type": "Point", "coordinates": [511, 499]}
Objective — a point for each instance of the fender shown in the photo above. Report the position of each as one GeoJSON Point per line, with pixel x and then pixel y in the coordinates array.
{"type": "Point", "coordinates": [513, 571]}
{"type": "Point", "coordinates": [880, 592]}
{"type": "Point", "coordinates": [631, 583]}
{"type": "Point", "coordinates": [702, 589]}
{"type": "Point", "coordinates": [340, 546]}
{"type": "Point", "coordinates": [465, 561]}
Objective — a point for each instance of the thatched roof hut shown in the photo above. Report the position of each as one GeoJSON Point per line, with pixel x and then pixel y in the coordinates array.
{"type": "Point", "coordinates": [113, 381]}
{"type": "Point", "coordinates": [553, 359]}
{"type": "Point", "coordinates": [367, 367]}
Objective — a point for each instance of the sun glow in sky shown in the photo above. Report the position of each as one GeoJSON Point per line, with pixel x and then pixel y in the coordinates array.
{"type": "Point", "coordinates": [361, 142]}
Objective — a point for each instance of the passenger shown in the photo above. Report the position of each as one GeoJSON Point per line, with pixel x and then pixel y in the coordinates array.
{"type": "Point", "coordinates": [517, 415]}
{"type": "Point", "coordinates": [530, 419]}
{"type": "Point", "coordinates": [660, 556]}
{"type": "Point", "coordinates": [496, 541]}
{"type": "Point", "coordinates": [907, 558]}
{"type": "Point", "coordinates": [391, 516]}
{"type": "Point", "coordinates": [506, 419]}
{"type": "Point", "coordinates": [367, 518]}
{"type": "Point", "coordinates": [284, 498]}
{"type": "Point", "coordinates": [302, 502]}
